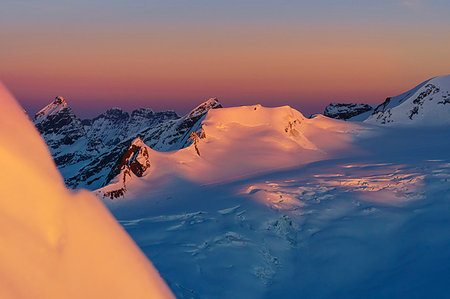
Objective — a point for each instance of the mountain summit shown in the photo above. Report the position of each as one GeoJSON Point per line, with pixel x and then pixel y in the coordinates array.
{"type": "Point", "coordinates": [59, 126]}
{"type": "Point", "coordinates": [51, 109]}
{"type": "Point", "coordinates": [426, 104]}
{"type": "Point", "coordinates": [87, 152]}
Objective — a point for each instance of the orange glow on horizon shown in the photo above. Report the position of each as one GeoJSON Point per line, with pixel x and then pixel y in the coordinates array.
{"type": "Point", "coordinates": [302, 67]}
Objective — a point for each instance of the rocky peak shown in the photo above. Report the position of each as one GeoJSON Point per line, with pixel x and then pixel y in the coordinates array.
{"type": "Point", "coordinates": [138, 142]}
{"type": "Point", "coordinates": [212, 103]}
{"type": "Point", "coordinates": [59, 101]}
{"type": "Point", "coordinates": [53, 108]}
{"type": "Point", "coordinates": [115, 114]}
{"type": "Point", "coordinates": [135, 159]}
{"type": "Point", "coordinates": [142, 112]}
{"type": "Point", "coordinates": [59, 125]}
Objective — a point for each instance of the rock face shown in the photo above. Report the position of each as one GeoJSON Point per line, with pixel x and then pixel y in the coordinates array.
{"type": "Point", "coordinates": [63, 132]}
{"type": "Point", "coordinates": [58, 124]}
{"type": "Point", "coordinates": [346, 111]}
{"type": "Point", "coordinates": [88, 152]}
{"type": "Point", "coordinates": [135, 161]}
{"type": "Point", "coordinates": [175, 134]}
{"type": "Point", "coordinates": [116, 125]}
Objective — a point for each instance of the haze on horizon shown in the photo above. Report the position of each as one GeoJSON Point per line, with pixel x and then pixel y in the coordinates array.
{"type": "Point", "coordinates": [173, 55]}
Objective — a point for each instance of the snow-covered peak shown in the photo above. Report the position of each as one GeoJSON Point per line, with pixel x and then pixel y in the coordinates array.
{"type": "Point", "coordinates": [51, 109]}
{"type": "Point", "coordinates": [235, 142]}
{"type": "Point", "coordinates": [60, 127]}
{"type": "Point", "coordinates": [60, 100]}
{"type": "Point", "coordinates": [212, 103]}
{"type": "Point", "coordinates": [426, 104]}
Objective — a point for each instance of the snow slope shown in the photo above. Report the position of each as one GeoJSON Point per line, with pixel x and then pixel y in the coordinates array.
{"type": "Point", "coordinates": [240, 141]}
{"type": "Point", "coordinates": [56, 244]}
{"type": "Point", "coordinates": [427, 105]}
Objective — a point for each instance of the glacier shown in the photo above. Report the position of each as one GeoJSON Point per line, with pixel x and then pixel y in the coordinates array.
{"type": "Point", "coordinates": [276, 205]}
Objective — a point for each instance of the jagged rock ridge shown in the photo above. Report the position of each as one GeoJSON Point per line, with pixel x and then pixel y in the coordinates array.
{"type": "Point", "coordinates": [87, 152]}
{"type": "Point", "coordinates": [346, 111]}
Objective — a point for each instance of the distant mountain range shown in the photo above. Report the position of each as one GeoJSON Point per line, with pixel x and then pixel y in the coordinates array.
{"type": "Point", "coordinates": [90, 153]}
{"type": "Point", "coordinates": [87, 151]}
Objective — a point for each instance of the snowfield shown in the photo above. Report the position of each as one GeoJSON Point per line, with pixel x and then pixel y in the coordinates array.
{"type": "Point", "coordinates": [269, 204]}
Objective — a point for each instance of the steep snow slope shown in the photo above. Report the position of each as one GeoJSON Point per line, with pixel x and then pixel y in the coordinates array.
{"type": "Point", "coordinates": [427, 104]}
{"type": "Point", "coordinates": [64, 134]}
{"type": "Point", "coordinates": [240, 141]}
{"type": "Point", "coordinates": [392, 102]}
{"type": "Point", "coordinates": [56, 244]}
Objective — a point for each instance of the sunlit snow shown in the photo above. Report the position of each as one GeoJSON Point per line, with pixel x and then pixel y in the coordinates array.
{"type": "Point", "coordinates": [54, 243]}
{"type": "Point", "coordinates": [274, 205]}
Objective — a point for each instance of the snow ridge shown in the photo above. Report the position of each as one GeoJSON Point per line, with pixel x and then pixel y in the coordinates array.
{"type": "Point", "coordinates": [428, 104]}
{"type": "Point", "coordinates": [424, 105]}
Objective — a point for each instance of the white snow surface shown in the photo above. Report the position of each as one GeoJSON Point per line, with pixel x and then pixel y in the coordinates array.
{"type": "Point", "coordinates": [54, 243]}
{"type": "Point", "coordinates": [279, 206]}
{"type": "Point", "coordinates": [241, 141]}
{"type": "Point", "coordinates": [428, 104]}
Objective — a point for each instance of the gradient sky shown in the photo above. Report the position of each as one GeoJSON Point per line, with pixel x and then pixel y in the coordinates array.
{"type": "Point", "coordinates": [167, 54]}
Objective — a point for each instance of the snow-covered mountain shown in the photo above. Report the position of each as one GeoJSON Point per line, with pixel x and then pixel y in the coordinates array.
{"type": "Point", "coordinates": [116, 125]}
{"type": "Point", "coordinates": [425, 104]}
{"type": "Point", "coordinates": [87, 151]}
{"type": "Point", "coordinates": [239, 141]}
{"type": "Point", "coordinates": [65, 135]}
{"type": "Point", "coordinates": [57, 244]}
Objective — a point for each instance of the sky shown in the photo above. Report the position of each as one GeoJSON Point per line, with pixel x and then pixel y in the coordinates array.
{"type": "Point", "coordinates": [174, 54]}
